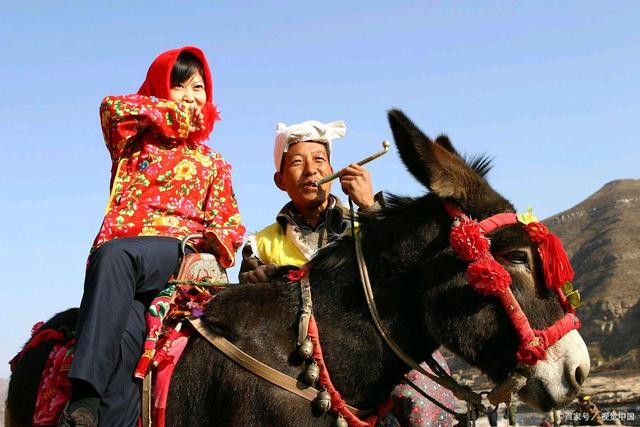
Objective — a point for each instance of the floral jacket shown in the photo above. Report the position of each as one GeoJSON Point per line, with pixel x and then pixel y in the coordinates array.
{"type": "Point", "coordinates": [161, 183]}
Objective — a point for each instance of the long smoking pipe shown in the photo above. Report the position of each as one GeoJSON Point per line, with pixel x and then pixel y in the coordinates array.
{"type": "Point", "coordinates": [385, 148]}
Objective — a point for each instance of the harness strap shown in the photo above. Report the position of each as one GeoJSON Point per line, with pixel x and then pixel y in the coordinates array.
{"type": "Point", "coordinates": [258, 368]}
{"type": "Point", "coordinates": [147, 400]}
{"type": "Point", "coordinates": [307, 309]}
{"type": "Point", "coordinates": [461, 392]}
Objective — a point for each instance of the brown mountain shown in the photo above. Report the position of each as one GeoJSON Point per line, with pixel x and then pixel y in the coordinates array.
{"type": "Point", "coordinates": [602, 238]}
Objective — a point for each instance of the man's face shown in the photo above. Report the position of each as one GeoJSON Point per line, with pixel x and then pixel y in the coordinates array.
{"type": "Point", "coordinates": [302, 165]}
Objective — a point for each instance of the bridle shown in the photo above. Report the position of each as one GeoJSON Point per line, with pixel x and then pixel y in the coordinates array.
{"type": "Point", "coordinates": [488, 277]}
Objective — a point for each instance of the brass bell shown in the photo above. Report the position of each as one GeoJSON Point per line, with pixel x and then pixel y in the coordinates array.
{"type": "Point", "coordinates": [324, 401]}
{"type": "Point", "coordinates": [312, 373]}
{"type": "Point", "coordinates": [306, 348]}
{"type": "Point", "coordinates": [340, 422]}
{"type": "Point", "coordinates": [572, 295]}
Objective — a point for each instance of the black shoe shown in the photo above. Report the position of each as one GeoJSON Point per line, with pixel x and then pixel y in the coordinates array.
{"type": "Point", "coordinates": [80, 417]}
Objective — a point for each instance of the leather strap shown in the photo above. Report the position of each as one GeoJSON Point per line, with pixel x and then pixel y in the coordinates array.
{"type": "Point", "coordinates": [260, 369]}
{"type": "Point", "coordinates": [147, 420]}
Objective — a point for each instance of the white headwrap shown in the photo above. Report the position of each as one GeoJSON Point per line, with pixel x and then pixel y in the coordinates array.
{"type": "Point", "coordinates": [310, 130]}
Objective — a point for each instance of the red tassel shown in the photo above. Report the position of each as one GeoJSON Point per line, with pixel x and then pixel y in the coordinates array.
{"type": "Point", "coordinates": [555, 262]}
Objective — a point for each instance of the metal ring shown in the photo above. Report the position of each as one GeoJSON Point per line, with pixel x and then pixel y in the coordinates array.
{"type": "Point", "coordinates": [485, 409]}
{"type": "Point", "coordinates": [183, 245]}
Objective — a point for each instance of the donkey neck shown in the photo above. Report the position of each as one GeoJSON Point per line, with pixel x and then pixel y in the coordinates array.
{"type": "Point", "coordinates": [362, 366]}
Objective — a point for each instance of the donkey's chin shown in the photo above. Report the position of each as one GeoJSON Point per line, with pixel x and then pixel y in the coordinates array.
{"type": "Point", "coordinates": [557, 380]}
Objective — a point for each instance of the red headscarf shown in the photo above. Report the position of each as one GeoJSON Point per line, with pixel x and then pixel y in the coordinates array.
{"type": "Point", "coordinates": [158, 84]}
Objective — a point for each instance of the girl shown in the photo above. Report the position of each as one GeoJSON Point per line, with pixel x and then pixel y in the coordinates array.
{"type": "Point", "coordinates": [165, 185]}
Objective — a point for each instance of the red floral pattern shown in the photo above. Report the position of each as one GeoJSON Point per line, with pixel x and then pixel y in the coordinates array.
{"type": "Point", "coordinates": [164, 184]}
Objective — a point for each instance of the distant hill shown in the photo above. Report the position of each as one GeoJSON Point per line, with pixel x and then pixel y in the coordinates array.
{"type": "Point", "coordinates": [602, 238]}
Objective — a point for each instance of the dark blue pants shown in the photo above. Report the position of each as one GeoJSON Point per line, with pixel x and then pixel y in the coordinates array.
{"type": "Point", "coordinates": [123, 276]}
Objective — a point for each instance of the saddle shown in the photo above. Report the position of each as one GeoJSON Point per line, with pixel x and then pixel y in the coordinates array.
{"type": "Point", "coordinates": [199, 266]}
{"type": "Point", "coordinates": [200, 275]}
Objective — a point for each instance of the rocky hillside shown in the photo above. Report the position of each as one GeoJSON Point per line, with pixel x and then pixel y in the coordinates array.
{"type": "Point", "coordinates": [602, 238]}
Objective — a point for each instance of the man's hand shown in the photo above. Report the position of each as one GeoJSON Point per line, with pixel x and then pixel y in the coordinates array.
{"type": "Point", "coordinates": [356, 183]}
{"type": "Point", "coordinates": [259, 274]}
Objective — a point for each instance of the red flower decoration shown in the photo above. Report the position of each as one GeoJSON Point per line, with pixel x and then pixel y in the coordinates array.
{"type": "Point", "coordinates": [488, 277]}
{"type": "Point", "coordinates": [468, 241]}
{"type": "Point", "coordinates": [537, 232]}
{"type": "Point", "coordinates": [297, 275]}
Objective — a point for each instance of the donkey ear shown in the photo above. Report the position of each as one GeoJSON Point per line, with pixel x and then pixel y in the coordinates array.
{"type": "Point", "coordinates": [436, 165]}
{"type": "Point", "coordinates": [443, 141]}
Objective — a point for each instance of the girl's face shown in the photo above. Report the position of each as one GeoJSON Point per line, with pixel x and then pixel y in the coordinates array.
{"type": "Point", "coordinates": [191, 91]}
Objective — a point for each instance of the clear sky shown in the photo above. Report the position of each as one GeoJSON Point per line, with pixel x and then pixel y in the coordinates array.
{"type": "Point", "coordinates": [550, 89]}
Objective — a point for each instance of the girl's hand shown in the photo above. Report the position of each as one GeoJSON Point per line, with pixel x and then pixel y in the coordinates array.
{"type": "Point", "coordinates": [197, 119]}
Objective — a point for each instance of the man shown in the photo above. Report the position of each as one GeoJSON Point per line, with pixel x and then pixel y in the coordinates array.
{"type": "Point", "coordinates": [314, 217]}
{"type": "Point", "coordinates": [588, 412]}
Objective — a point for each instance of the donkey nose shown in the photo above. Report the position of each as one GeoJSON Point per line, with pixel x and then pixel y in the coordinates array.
{"type": "Point", "coordinates": [580, 375]}
{"type": "Point", "coordinates": [577, 374]}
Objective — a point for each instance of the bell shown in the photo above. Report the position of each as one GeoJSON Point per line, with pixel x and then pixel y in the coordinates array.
{"type": "Point", "coordinates": [340, 422]}
{"type": "Point", "coordinates": [306, 348]}
{"type": "Point", "coordinates": [573, 298]}
{"type": "Point", "coordinates": [567, 287]}
{"type": "Point", "coordinates": [312, 373]}
{"type": "Point", "coordinates": [323, 401]}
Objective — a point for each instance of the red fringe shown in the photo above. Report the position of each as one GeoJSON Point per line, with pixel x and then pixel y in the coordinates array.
{"type": "Point", "coordinates": [555, 262]}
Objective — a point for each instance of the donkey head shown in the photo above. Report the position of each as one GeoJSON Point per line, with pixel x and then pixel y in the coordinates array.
{"type": "Point", "coordinates": [476, 324]}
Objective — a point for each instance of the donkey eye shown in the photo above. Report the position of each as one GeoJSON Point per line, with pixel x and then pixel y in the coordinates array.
{"type": "Point", "coordinates": [517, 257]}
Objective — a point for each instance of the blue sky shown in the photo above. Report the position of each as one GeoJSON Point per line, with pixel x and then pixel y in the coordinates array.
{"type": "Point", "coordinates": [550, 89]}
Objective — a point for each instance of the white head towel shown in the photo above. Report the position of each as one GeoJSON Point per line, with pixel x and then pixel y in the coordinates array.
{"type": "Point", "coordinates": [310, 130]}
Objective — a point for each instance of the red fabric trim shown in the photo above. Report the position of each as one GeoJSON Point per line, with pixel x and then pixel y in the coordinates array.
{"type": "Point", "coordinates": [497, 221]}
{"type": "Point", "coordinates": [338, 405]}
{"type": "Point", "coordinates": [553, 333]}
{"type": "Point", "coordinates": [517, 316]}
{"type": "Point", "coordinates": [40, 337]}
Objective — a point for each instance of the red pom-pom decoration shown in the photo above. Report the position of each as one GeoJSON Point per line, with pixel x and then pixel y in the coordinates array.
{"type": "Point", "coordinates": [537, 232]}
{"type": "Point", "coordinates": [488, 277]}
{"type": "Point", "coordinates": [468, 241]}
